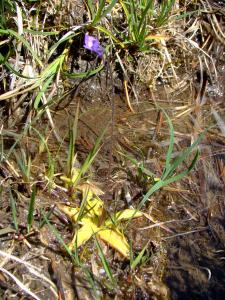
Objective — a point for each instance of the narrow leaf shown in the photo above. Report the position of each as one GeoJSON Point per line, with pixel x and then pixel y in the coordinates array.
{"type": "Point", "coordinates": [30, 216]}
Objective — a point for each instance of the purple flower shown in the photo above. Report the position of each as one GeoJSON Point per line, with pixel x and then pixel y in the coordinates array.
{"type": "Point", "coordinates": [91, 43]}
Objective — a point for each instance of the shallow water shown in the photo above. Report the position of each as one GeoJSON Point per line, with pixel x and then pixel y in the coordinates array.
{"type": "Point", "coordinates": [187, 253]}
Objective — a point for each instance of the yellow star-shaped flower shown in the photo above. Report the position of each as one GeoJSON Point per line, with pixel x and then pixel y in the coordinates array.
{"type": "Point", "coordinates": [90, 217]}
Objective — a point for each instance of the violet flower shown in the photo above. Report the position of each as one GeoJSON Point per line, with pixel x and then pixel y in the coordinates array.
{"type": "Point", "coordinates": [91, 43]}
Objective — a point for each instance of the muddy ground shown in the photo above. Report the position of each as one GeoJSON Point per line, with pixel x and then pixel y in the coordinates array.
{"type": "Point", "coordinates": [185, 231]}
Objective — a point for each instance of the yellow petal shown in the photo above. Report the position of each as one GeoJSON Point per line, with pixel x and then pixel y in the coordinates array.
{"type": "Point", "coordinates": [83, 234]}
{"type": "Point", "coordinates": [116, 240]}
{"type": "Point", "coordinates": [125, 214]}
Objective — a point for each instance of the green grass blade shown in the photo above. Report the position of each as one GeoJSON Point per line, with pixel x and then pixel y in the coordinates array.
{"type": "Point", "coordinates": [142, 34]}
{"type": "Point", "coordinates": [166, 7]}
{"type": "Point", "coordinates": [91, 8]}
{"type": "Point", "coordinates": [24, 164]}
{"type": "Point", "coordinates": [51, 163]}
{"type": "Point", "coordinates": [108, 8]}
{"type": "Point", "coordinates": [72, 140]}
{"type": "Point", "coordinates": [110, 34]}
{"type": "Point", "coordinates": [84, 74]}
{"type": "Point", "coordinates": [125, 9]}
{"type": "Point", "coordinates": [133, 22]}
{"type": "Point", "coordinates": [91, 156]}
{"type": "Point", "coordinates": [184, 173]}
{"type": "Point", "coordinates": [149, 7]}
{"type": "Point", "coordinates": [98, 14]}
{"type": "Point", "coordinates": [30, 216]}
{"type": "Point", "coordinates": [171, 146]}
{"type": "Point", "coordinates": [139, 257]}
{"type": "Point", "coordinates": [23, 41]}
{"type": "Point", "coordinates": [139, 165]}
{"type": "Point", "coordinates": [42, 91]}
{"type": "Point", "coordinates": [102, 11]}
{"type": "Point", "coordinates": [70, 159]}
{"type": "Point", "coordinates": [63, 39]}
{"type": "Point", "coordinates": [42, 221]}
{"type": "Point", "coordinates": [74, 257]}
{"type": "Point", "coordinates": [57, 234]}
{"type": "Point", "coordinates": [83, 205]}
{"type": "Point", "coordinates": [3, 60]}
{"type": "Point", "coordinates": [161, 183]}
{"type": "Point", "coordinates": [181, 158]}
{"type": "Point", "coordinates": [158, 185]}
{"type": "Point", "coordinates": [105, 262]}
{"type": "Point", "coordinates": [133, 12]}
{"type": "Point", "coordinates": [10, 68]}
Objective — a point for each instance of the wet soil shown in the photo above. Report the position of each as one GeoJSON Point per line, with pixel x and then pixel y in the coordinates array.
{"type": "Point", "coordinates": [185, 228]}
{"type": "Point", "coordinates": [192, 246]}
{"type": "Point", "coordinates": [187, 253]}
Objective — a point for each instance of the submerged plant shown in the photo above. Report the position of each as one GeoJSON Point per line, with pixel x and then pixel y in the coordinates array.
{"type": "Point", "coordinates": [170, 173]}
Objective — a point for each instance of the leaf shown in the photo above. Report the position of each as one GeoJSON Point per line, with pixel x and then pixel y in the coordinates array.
{"type": "Point", "coordinates": [111, 236]}
{"type": "Point", "coordinates": [116, 240]}
{"type": "Point", "coordinates": [89, 216]}
{"type": "Point", "coordinates": [75, 174]}
{"type": "Point", "coordinates": [109, 33]}
{"type": "Point", "coordinates": [24, 42]}
{"type": "Point", "coordinates": [84, 74]}
{"type": "Point", "coordinates": [139, 257]}
{"type": "Point", "coordinates": [30, 216]}
{"type": "Point", "coordinates": [71, 212]}
{"type": "Point", "coordinates": [123, 215]}
{"type": "Point", "coordinates": [83, 234]}
{"type": "Point", "coordinates": [105, 262]}
{"type": "Point", "coordinates": [95, 206]}
{"type": "Point", "coordinates": [42, 91]}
